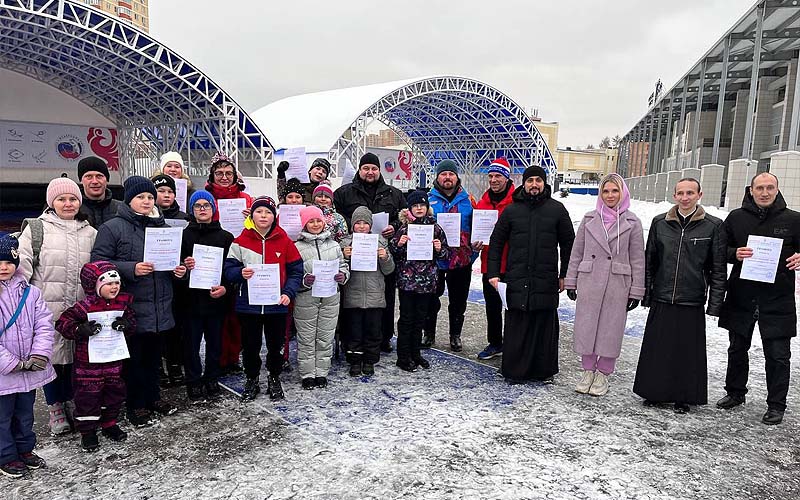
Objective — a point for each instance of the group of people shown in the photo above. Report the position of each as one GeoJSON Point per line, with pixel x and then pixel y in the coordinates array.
{"type": "Point", "coordinates": [78, 270]}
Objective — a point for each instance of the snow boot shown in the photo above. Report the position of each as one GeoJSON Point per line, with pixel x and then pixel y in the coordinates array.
{"type": "Point", "coordinates": [274, 388]}
{"type": "Point", "coordinates": [89, 442]}
{"type": "Point", "coordinates": [195, 393]}
{"type": "Point", "coordinates": [58, 419]}
{"type": "Point", "coordinates": [422, 362]}
{"type": "Point", "coordinates": [455, 343]}
{"type": "Point", "coordinates": [251, 389]}
{"type": "Point", "coordinates": [355, 370]}
{"type": "Point", "coordinates": [308, 383]}
{"type": "Point", "coordinates": [321, 382]}
{"type": "Point", "coordinates": [114, 433]}
{"type": "Point", "coordinates": [599, 385]}
{"type": "Point", "coordinates": [368, 369]}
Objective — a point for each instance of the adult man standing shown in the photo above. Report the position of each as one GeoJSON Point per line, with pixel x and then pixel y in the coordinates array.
{"type": "Point", "coordinates": [368, 189]}
{"type": "Point", "coordinates": [448, 196]}
{"type": "Point", "coordinates": [497, 197]}
{"type": "Point", "coordinates": [535, 228]}
{"type": "Point", "coordinates": [772, 305]}
{"type": "Point", "coordinates": [98, 205]}
{"type": "Point", "coordinates": [685, 265]}
{"type": "Point", "coordinates": [319, 171]}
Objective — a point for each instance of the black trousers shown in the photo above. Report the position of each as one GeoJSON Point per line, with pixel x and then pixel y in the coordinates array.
{"type": "Point", "coordinates": [494, 313]}
{"type": "Point", "coordinates": [195, 328]}
{"type": "Point", "coordinates": [364, 341]}
{"type": "Point", "coordinates": [273, 328]}
{"type": "Point", "coordinates": [457, 281]}
{"type": "Point", "coordinates": [141, 370]}
{"type": "Point", "coordinates": [171, 346]}
{"type": "Point", "coordinates": [413, 311]}
{"type": "Point", "coordinates": [387, 318]}
{"type": "Point", "coordinates": [777, 353]}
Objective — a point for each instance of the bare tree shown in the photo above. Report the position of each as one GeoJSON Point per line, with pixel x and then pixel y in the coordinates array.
{"type": "Point", "coordinates": [590, 146]}
{"type": "Point", "coordinates": [605, 142]}
{"type": "Point", "coordinates": [615, 141]}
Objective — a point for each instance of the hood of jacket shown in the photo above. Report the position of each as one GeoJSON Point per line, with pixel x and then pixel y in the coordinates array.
{"type": "Point", "coordinates": [306, 236]}
{"type": "Point", "coordinates": [51, 217]}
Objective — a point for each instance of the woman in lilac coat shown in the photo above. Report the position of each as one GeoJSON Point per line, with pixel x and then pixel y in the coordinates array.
{"type": "Point", "coordinates": [606, 277]}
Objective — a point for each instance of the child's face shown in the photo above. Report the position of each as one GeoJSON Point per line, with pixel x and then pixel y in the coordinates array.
{"type": "Point", "coordinates": [165, 197]}
{"type": "Point", "coordinates": [294, 199]}
{"type": "Point", "coordinates": [7, 270]}
{"type": "Point", "coordinates": [419, 210]}
{"type": "Point", "coordinates": [361, 227]}
{"type": "Point", "coordinates": [142, 203]}
{"type": "Point", "coordinates": [323, 201]}
{"type": "Point", "coordinates": [109, 291]}
{"type": "Point", "coordinates": [263, 219]}
{"type": "Point", "coordinates": [315, 226]}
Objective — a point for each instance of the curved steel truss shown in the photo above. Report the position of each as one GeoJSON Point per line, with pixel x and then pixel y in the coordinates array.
{"type": "Point", "coordinates": [452, 117]}
{"type": "Point", "coordinates": [158, 101]}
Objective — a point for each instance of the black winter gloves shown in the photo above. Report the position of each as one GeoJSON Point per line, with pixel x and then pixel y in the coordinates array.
{"type": "Point", "coordinates": [572, 294]}
{"type": "Point", "coordinates": [87, 329]}
{"type": "Point", "coordinates": [120, 324]}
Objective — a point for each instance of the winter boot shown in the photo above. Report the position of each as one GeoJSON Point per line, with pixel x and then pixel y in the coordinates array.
{"type": "Point", "coordinates": [599, 385]}
{"type": "Point", "coordinates": [58, 419]}
{"type": "Point", "coordinates": [195, 393]}
{"type": "Point", "coordinates": [175, 374]}
{"type": "Point", "coordinates": [368, 369]}
{"type": "Point", "coordinates": [213, 389]}
{"type": "Point", "coordinates": [251, 389]}
{"type": "Point", "coordinates": [163, 408]}
{"type": "Point", "coordinates": [32, 460]}
{"type": "Point", "coordinates": [406, 365]}
{"type": "Point", "coordinates": [15, 469]}
{"type": "Point", "coordinates": [89, 442]}
{"type": "Point", "coordinates": [321, 382]}
{"type": "Point", "coordinates": [114, 433]}
{"type": "Point", "coordinates": [274, 388]}
{"type": "Point", "coordinates": [455, 343]}
{"type": "Point", "coordinates": [308, 383]}
{"type": "Point", "coordinates": [355, 370]}
{"type": "Point", "coordinates": [772, 417]}
{"type": "Point", "coordinates": [428, 339]}
{"type": "Point", "coordinates": [140, 417]}
{"type": "Point", "coordinates": [421, 362]}
{"type": "Point", "coordinates": [585, 382]}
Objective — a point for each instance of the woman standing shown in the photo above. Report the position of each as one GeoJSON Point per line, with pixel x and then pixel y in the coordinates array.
{"type": "Point", "coordinates": [171, 164]}
{"type": "Point", "coordinates": [607, 268]}
{"type": "Point", "coordinates": [53, 248]}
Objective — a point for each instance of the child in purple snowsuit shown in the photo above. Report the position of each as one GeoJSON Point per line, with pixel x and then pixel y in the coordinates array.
{"type": "Point", "coordinates": [26, 344]}
{"type": "Point", "coordinates": [99, 388]}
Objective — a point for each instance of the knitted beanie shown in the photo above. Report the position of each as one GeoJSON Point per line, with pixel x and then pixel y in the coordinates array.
{"type": "Point", "coordinates": [293, 185]}
{"type": "Point", "coordinates": [363, 214]}
{"type": "Point", "coordinates": [321, 162]}
{"type": "Point", "coordinates": [416, 197]}
{"type": "Point", "coordinates": [500, 166]}
{"type": "Point", "coordinates": [92, 164]}
{"type": "Point", "coordinates": [136, 185]}
{"type": "Point", "coordinates": [534, 171]}
{"type": "Point", "coordinates": [308, 213]}
{"type": "Point", "coordinates": [9, 249]}
{"type": "Point", "coordinates": [171, 156]}
{"type": "Point", "coordinates": [446, 166]}
{"type": "Point", "coordinates": [263, 201]}
{"type": "Point", "coordinates": [369, 159]}
{"type": "Point", "coordinates": [202, 194]}
{"type": "Point", "coordinates": [59, 186]}
{"type": "Point", "coordinates": [164, 180]}
{"type": "Point", "coordinates": [324, 188]}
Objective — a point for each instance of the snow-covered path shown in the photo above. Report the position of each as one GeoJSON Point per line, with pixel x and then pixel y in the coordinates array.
{"type": "Point", "coordinates": [455, 431]}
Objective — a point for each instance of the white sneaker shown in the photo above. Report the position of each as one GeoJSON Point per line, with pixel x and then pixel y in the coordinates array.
{"type": "Point", "coordinates": [599, 385]}
{"type": "Point", "coordinates": [58, 419]}
{"type": "Point", "coordinates": [585, 383]}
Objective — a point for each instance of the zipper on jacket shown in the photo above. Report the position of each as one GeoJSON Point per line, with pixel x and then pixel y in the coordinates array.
{"type": "Point", "coordinates": [677, 265]}
{"type": "Point", "coordinates": [263, 261]}
{"type": "Point", "coordinates": [695, 240]}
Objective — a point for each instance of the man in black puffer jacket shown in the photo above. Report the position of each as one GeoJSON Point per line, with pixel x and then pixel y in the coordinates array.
{"type": "Point", "coordinates": [772, 305]}
{"type": "Point", "coordinates": [536, 228]}
{"type": "Point", "coordinates": [685, 265]}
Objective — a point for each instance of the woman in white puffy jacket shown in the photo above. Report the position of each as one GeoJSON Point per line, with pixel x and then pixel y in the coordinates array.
{"type": "Point", "coordinates": [53, 248]}
{"type": "Point", "coordinates": [316, 317]}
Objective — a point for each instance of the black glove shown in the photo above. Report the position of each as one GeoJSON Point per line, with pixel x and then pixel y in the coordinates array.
{"type": "Point", "coordinates": [572, 294]}
{"type": "Point", "coordinates": [120, 324]}
{"type": "Point", "coordinates": [632, 304]}
{"type": "Point", "coordinates": [282, 168]}
{"type": "Point", "coordinates": [87, 329]}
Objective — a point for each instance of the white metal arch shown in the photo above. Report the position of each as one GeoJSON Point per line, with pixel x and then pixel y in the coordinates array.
{"type": "Point", "coordinates": [157, 100]}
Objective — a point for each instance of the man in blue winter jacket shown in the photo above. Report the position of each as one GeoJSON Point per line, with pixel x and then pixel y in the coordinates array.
{"type": "Point", "coordinates": [449, 196]}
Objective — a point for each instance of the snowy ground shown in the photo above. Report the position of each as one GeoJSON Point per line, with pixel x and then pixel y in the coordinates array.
{"type": "Point", "coordinates": [456, 431]}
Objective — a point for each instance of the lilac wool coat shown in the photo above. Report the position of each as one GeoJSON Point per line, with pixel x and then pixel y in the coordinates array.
{"type": "Point", "coordinates": [32, 333]}
{"type": "Point", "coordinates": [606, 270]}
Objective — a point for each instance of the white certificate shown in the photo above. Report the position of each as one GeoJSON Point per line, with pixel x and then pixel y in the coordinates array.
{"type": "Point", "coordinates": [365, 252]}
{"type": "Point", "coordinates": [483, 222]}
{"type": "Point", "coordinates": [207, 270]}
{"type": "Point", "coordinates": [420, 242]}
{"type": "Point", "coordinates": [231, 217]}
{"type": "Point", "coordinates": [289, 220]}
{"type": "Point", "coordinates": [451, 223]}
{"type": "Point", "coordinates": [108, 345]}
{"type": "Point", "coordinates": [264, 288]}
{"type": "Point", "coordinates": [324, 271]}
{"type": "Point", "coordinates": [298, 166]}
{"type": "Point", "coordinates": [379, 222]}
{"type": "Point", "coordinates": [763, 265]}
{"type": "Point", "coordinates": [181, 187]}
{"type": "Point", "coordinates": [502, 290]}
{"type": "Point", "coordinates": [162, 247]}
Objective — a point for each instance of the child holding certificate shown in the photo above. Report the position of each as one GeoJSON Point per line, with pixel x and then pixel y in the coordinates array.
{"type": "Point", "coordinates": [261, 249]}
{"type": "Point", "coordinates": [363, 296]}
{"type": "Point", "coordinates": [26, 345]}
{"type": "Point", "coordinates": [203, 309]}
{"type": "Point", "coordinates": [416, 278]}
{"type": "Point", "coordinates": [316, 309]}
{"type": "Point", "coordinates": [99, 388]}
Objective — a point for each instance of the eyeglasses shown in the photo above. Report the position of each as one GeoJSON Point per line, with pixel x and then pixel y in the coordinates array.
{"type": "Point", "coordinates": [220, 175]}
{"type": "Point", "coordinates": [201, 207]}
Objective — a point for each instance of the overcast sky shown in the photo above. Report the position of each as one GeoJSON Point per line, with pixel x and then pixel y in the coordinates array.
{"type": "Point", "coordinates": [588, 64]}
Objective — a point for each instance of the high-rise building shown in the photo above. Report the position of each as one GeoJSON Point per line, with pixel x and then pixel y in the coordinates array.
{"type": "Point", "coordinates": [134, 12]}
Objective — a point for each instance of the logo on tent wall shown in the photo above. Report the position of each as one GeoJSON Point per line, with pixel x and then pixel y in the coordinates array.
{"type": "Point", "coordinates": [103, 143]}
{"type": "Point", "coordinates": [69, 147]}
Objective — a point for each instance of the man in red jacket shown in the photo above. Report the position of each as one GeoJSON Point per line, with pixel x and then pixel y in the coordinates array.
{"type": "Point", "coordinates": [497, 197]}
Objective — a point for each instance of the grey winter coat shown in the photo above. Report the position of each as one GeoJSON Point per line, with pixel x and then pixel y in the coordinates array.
{"type": "Point", "coordinates": [66, 247]}
{"type": "Point", "coordinates": [121, 242]}
{"type": "Point", "coordinates": [366, 289]}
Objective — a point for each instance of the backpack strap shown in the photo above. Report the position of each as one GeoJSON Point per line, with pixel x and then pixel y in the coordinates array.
{"type": "Point", "coordinates": [18, 311]}
{"type": "Point", "coordinates": [37, 237]}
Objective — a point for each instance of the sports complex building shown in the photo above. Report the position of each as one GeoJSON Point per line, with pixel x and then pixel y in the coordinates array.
{"type": "Point", "coordinates": [735, 112]}
{"type": "Point", "coordinates": [76, 81]}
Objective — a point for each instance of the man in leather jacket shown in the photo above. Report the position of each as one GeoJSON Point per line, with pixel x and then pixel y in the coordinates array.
{"type": "Point", "coordinates": [772, 305]}
{"type": "Point", "coordinates": [685, 265]}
